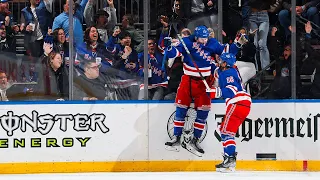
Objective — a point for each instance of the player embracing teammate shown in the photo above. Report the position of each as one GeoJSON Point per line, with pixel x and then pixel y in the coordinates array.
{"type": "Point", "coordinates": [238, 104]}
{"type": "Point", "coordinates": [196, 84]}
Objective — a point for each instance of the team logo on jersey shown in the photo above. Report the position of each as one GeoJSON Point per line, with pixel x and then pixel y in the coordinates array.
{"type": "Point", "coordinates": [230, 79]}
{"type": "Point", "coordinates": [188, 128]}
{"type": "Point", "coordinates": [87, 56]}
{"type": "Point", "coordinates": [201, 52]}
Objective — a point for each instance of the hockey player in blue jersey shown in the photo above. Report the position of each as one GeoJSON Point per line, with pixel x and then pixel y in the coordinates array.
{"type": "Point", "coordinates": [238, 103]}
{"type": "Point", "coordinates": [157, 78]}
{"type": "Point", "coordinates": [192, 87]}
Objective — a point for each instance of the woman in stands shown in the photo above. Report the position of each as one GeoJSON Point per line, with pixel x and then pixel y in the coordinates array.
{"type": "Point", "coordinates": [94, 49]}
{"type": "Point", "coordinates": [55, 83]}
{"type": "Point", "coordinates": [60, 44]}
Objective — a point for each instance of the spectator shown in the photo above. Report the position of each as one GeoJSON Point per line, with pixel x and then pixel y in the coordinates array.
{"type": "Point", "coordinates": [3, 86]}
{"type": "Point", "coordinates": [61, 45]}
{"type": "Point", "coordinates": [166, 19]}
{"type": "Point", "coordinates": [94, 49]}
{"type": "Point", "coordinates": [259, 21]}
{"type": "Point", "coordinates": [157, 78]}
{"type": "Point", "coordinates": [6, 16]}
{"type": "Point", "coordinates": [137, 38]}
{"type": "Point", "coordinates": [280, 87]}
{"type": "Point", "coordinates": [62, 21]}
{"type": "Point", "coordinates": [105, 19]}
{"type": "Point", "coordinates": [245, 59]}
{"type": "Point", "coordinates": [59, 42]}
{"type": "Point", "coordinates": [4, 11]}
{"type": "Point", "coordinates": [200, 12]}
{"type": "Point", "coordinates": [35, 23]}
{"type": "Point", "coordinates": [125, 58]}
{"type": "Point", "coordinates": [54, 81]}
{"type": "Point", "coordinates": [274, 44]}
{"type": "Point", "coordinates": [7, 42]}
{"type": "Point", "coordinates": [92, 85]}
{"type": "Point", "coordinates": [245, 11]}
{"type": "Point", "coordinates": [314, 57]}
{"type": "Point", "coordinates": [306, 10]}
{"type": "Point", "coordinates": [32, 75]}
{"type": "Point", "coordinates": [232, 18]}
{"type": "Point", "coordinates": [11, 90]}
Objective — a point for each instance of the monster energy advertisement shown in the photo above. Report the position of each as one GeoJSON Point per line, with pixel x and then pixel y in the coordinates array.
{"type": "Point", "coordinates": [44, 123]}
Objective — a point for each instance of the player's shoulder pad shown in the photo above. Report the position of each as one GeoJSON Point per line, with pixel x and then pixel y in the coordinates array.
{"type": "Point", "coordinates": [232, 72]}
{"type": "Point", "coordinates": [187, 39]}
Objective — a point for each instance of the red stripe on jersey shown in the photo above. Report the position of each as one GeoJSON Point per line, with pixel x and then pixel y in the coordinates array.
{"type": "Point", "coordinates": [239, 94]}
{"type": "Point", "coordinates": [178, 123]}
{"type": "Point", "coordinates": [229, 142]}
{"type": "Point", "coordinates": [198, 125]}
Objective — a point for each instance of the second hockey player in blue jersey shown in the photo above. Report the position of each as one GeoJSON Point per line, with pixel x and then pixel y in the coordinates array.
{"type": "Point", "coordinates": [238, 105]}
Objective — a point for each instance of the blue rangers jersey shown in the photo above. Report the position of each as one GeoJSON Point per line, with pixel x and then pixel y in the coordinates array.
{"type": "Point", "coordinates": [230, 84]}
{"type": "Point", "coordinates": [158, 77]}
{"type": "Point", "coordinates": [201, 55]}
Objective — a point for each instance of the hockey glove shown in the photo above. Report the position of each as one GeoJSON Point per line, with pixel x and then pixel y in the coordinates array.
{"type": "Point", "coordinates": [241, 39]}
{"type": "Point", "coordinates": [215, 93]}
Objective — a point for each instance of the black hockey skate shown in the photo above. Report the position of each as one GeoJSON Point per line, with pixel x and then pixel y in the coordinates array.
{"type": "Point", "coordinates": [228, 164]}
{"type": "Point", "coordinates": [193, 146]}
{"type": "Point", "coordinates": [174, 144]}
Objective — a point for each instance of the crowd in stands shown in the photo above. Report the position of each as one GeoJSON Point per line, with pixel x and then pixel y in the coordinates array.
{"type": "Point", "coordinates": [109, 57]}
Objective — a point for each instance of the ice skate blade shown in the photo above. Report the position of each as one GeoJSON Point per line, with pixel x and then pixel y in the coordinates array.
{"type": "Point", "coordinates": [173, 148]}
{"type": "Point", "coordinates": [193, 151]}
{"type": "Point", "coordinates": [226, 170]}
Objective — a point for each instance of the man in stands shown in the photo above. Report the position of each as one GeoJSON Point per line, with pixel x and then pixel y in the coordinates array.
{"type": "Point", "coordinates": [91, 85]}
{"type": "Point", "coordinates": [3, 86]}
{"type": "Point", "coordinates": [105, 19]}
{"type": "Point", "coordinates": [35, 23]}
{"type": "Point", "coordinates": [62, 21]}
{"type": "Point", "coordinates": [7, 43]}
{"type": "Point", "coordinates": [137, 38]}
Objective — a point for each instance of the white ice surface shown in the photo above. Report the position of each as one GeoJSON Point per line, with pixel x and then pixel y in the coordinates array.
{"type": "Point", "coordinates": [171, 176]}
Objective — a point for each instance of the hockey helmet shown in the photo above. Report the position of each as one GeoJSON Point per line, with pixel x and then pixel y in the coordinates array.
{"type": "Point", "coordinates": [201, 32]}
{"type": "Point", "coordinates": [229, 58]}
{"type": "Point", "coordinates": [3, 1]}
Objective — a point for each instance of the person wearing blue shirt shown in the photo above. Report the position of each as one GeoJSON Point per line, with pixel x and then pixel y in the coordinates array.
{"type": "Point", "coordinates": [36, 20]}
{"type": "Point", "coordinates": [62, 21]}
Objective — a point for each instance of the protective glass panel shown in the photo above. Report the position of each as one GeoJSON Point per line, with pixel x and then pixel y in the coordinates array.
{"type": "Point", "coordinates": [307, 50]}
{"type": "Point", "coordinates": [29, 70]}
{"type": "Point", "coordinates": [107, 44]}
{"type": "Point", "coordinates": [264, 62]}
